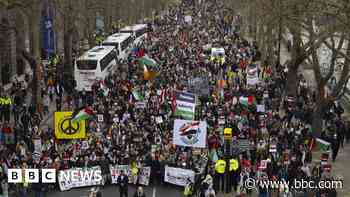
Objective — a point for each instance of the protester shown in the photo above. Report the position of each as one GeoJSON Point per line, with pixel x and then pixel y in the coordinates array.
{"type": "Point", "coordinates": [139, 192]}
{"type": "Point", "coordinates": [123, 182]}
{"type": "Point", "coordinates": [138, 115]}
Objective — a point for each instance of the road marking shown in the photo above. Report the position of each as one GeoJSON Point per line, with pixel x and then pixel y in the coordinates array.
{"type": "Point", "coordinates": [154, 192]}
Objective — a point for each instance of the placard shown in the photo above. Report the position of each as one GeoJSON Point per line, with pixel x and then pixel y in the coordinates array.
{"type": "Point", "coordinates": [144, 174]}
{"type": "Point", "coordinates": [67, 184]}
{"type": "Point", "coordinates": [100, 117]}
{"type": "Point", "coordinates": [178, 176]}
{"type": "Point", "coordinates": [190, 133]}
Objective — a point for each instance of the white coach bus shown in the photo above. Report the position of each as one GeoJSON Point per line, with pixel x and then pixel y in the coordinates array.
{"type": "Point", "coordinates": [95, 64]}
{"type": "Point", "coordinates": [122, 43]}
{"type": "Point", "coordinates": [138, 31]}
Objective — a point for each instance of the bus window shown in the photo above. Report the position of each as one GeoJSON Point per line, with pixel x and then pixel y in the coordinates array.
{"type": "Point", "coordinates": [110, 44]}
{"type": "Point", "coordinates": [107, 60]}
{"type": "Point", "coordinates": [141, 32]}
{"type": "Point", "coordinates": [126, 43]}
{"type": "Point", "coordinates": [87, 64]}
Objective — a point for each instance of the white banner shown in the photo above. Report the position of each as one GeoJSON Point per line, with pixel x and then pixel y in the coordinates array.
{"type": "Point", "coordinates": [37, 145]}
{"type": "Point", "coordinates": [84, 177]}
{"type": "Point", "coordinates": [144, 174]}
{"type": "Point", "coordinates": [252, 80]}
{"type": "Point", "coordinates": [190, 133]}
{"type": "Point", "coordinates": [178, 176]}
{"type": "Point", "coordinates": [188, 19]}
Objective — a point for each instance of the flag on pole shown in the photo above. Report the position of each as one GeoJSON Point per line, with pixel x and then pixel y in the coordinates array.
{"type": "Point", "coordinates": [137, 95]}
{"type": "Point", "coordinates": [246, 100]}
{"type": "Point", "coordinates": [104, 88]}
{"type": "Point", "coordinates": [147, 61]}
{"type": "Point", "coordinates": [212, 155]}
{"type": "Point", "coordinates": [147, 74]}
{"type": "Point", "coordinates": [322, 145]}
{"type": "Point", "coordinates": [185, 105]}
{"type": "Point", "coordinates": [82, 114]}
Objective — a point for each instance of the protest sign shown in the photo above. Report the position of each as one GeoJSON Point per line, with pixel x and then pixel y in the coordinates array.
{"type": "Point", "coordinates": [37, 145]}
{"type": "Point", "coordinates": [84, 177]}
{"type": "Point", "coordinates": [185, 105]}
{"type": "Point", "coordinates": [116, 171]}
{"type": "Point", "coordinates": [188, 19]}
{"type": "Point", "coordinates": [144, 174]}
{"type": "Point", "coordinates": [260, 108]}
{"type": "Point", "coordinates": [140, 105]}
{"type": "Point", "coordinates": [178, 176]}
{"type": "Point", "coordinates": [100, 117]}
{"type": "Point", "coordinates": [199, 86]}
{"type": "Point", "coordinates": [190, 133]}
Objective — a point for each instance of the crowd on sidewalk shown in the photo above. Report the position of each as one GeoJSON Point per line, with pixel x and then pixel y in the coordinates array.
{"type": "Point", "coordinates": [280, 137]}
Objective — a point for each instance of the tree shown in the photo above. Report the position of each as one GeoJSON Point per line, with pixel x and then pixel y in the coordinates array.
{"type": "Point", "coordinates": [338, 46]}
{"type": "Point", "coordinates": [31, 9]}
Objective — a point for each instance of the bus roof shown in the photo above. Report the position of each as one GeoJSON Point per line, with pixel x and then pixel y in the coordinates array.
{"type": "Point", "coordinates": [96, 53]}
{"type": "Point", "coordinates": [117, 38]}
{"type": "Point", "coordinates": [134, 27]}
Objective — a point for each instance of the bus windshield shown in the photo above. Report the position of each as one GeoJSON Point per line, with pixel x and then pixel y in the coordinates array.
{"type": "Point", "coordinates": [110, 44]}
{"type": "Point", "coordinates": [87, 64]}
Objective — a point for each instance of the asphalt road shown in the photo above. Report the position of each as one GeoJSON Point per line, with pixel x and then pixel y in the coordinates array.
{"type": "Point", "coordinates": [113, 191]}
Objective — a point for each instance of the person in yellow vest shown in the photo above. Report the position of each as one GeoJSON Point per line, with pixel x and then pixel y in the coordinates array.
{"type": "Point", "coordinates": [234, 174]}
{"type": "Point", "coordinates": [219, 177]}
{"type": "Point", "coordinates": [6, 103]}
{"type": "Point", "coordinates": [2, 106]}
{"type": "Point", "coordinates": [134, 172]}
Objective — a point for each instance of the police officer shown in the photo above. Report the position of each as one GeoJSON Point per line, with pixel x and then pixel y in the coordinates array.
{"type": "Point", "coordinates": [233, 175]}
{"type": "Point", "coordinates": [2, 104]}
{"type": "Point", "coordinates": [219, 177]}
{"type": "Point", "coordinates": [6, 103]}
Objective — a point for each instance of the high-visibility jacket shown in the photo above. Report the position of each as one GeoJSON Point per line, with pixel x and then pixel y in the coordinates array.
{"type": "Point", "coordinates": [2, 101]}
{"type": "Point", "coordinates": [220, 166]}
{"type": "Point", "coordinates": [233, 165]}
{"type": "Point", "coordinates": [8, 101]}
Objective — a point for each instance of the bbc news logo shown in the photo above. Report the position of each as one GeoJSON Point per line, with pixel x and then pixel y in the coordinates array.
{"type": "Point", "coordinates": [49, 175]}
{"type": "Point", "coordinates": [31, 175]}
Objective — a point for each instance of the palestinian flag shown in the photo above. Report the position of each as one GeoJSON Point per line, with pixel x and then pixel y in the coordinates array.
{"type": "Point", "coordinates": [319, 145]}
{"type": "Point", "coordinates": [82, 114]}
{"type": "Point", "coordinates": [147, 74]}
{"type": "Point", "coordinates": [185, 105]}
{"type": "Point", "coordinates": [213, 155]}
{"type": "Point", "coordinates": [246, 100]}
{"type": "Point", "coordinates": [137, 95]}
{"type": "Point", "coordinates": [104, 88]}
{"type": "Point", "coordinates": [147, 61]}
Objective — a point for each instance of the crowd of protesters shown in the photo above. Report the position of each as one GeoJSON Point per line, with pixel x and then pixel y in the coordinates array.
{"type": "Point", "coordinates": [131, 135]}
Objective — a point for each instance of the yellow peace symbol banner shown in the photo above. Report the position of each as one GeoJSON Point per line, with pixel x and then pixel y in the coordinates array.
{"type": "Point", "coordinates": [66, 128]}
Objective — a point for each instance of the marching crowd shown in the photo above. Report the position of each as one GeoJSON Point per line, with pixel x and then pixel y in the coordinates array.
{"type": "Point", "coordinates": [142, 135]}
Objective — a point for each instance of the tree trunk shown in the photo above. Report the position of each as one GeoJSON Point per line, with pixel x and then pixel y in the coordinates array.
{"type": "Point", "coordinates": [317, 124]}
{"type": "Point", "coordinates": [292, 80]}
{"type": "Point", "coordinates": [35, 16]}
{"type": "Point", "coordinates": [68, 45]}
